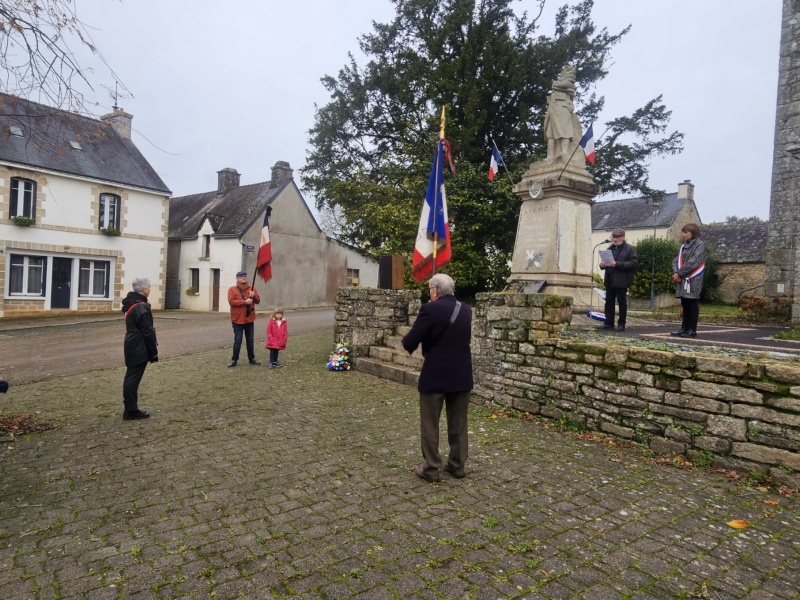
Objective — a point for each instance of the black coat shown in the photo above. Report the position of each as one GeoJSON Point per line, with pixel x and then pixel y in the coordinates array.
{"type": "Point", "coordinates": [627, 259]}
{"type": "Point", "coordinates": [448, 356]}
{"type": "Point", "coordinates": [140, 335]}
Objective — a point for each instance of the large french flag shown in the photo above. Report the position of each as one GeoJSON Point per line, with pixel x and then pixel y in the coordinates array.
{"type": "Point", "coordinates": [433, 225]}
{"type": "Point", "coordinates": [264, 264]}
{"type": "Point", "coordinates": [587, 143]}
{"type": "Point", "coordinates": [494, 164]}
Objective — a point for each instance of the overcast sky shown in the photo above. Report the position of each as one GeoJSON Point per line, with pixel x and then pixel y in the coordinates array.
{"type": "Point", "coordinates": [234, 84]}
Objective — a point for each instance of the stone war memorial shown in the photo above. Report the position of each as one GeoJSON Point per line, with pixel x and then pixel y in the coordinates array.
{"type": "Point", "coordinates": [552, 251]}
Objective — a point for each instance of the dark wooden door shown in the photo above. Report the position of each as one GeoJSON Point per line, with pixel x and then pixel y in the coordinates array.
{"type": "Point", "coordinates": [215, 292]}
{"type": "Point", "coordinates": [62, 281]}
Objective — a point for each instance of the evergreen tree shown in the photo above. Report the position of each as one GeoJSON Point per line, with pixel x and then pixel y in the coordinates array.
{"type": "Point", "coordinates": [373, 143]}
{"type": "Point", "coordinates": [655, 256]}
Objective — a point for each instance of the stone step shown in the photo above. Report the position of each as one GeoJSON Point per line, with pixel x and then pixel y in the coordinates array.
{"type": "Point", "coordinates": [396, 342]}
{"type": "Point", "coordinates": [402, 330]}
{"type": "Point", "coordinates": [397, 357]}
{"type": "Point", "coordinates": [385, 370]}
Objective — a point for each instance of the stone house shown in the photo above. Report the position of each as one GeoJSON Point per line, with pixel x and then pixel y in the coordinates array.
{"type": "Point", "coordinates": [82, 212]}
{"type": "Point", "coordinates": [640, 217]}
{"type": "Point", "coordinates": [741, 253]}
{"type": "Point", "coordinates": [217, 233]}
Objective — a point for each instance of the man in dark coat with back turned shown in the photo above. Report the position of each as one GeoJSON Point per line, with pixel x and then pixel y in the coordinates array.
{"type": "Point", "coordinates": [618, 278]}
{"type": "Point", "coordinates": [444, 328]}
{"type": "Point", "coordinates": [141, 346]}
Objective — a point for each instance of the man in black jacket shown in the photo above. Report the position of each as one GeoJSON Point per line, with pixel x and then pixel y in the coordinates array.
{"type": "Point", "coordinates": [444, 328]}
{"type": "Point", "coordinates": [618, 278]}
{"type": "Point", "coordinates": [141, 346]}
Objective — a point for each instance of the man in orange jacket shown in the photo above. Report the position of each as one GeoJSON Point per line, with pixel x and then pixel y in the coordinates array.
{"type": "Point", "coordinates": [242, 299]}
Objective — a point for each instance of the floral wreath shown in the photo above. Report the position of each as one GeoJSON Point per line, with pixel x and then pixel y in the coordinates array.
{"type": "Point", "coordinates": [340, 359]}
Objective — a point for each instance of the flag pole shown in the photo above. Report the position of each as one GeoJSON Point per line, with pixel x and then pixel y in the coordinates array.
{"type": "Point", "coordinates": [503, 162]}
{"type": "Point", "coordinates": [568, 161]}
{"type": "Point", "coordinates": [576, 149]}
{"type": "Point", "coordinates": [436, 192]}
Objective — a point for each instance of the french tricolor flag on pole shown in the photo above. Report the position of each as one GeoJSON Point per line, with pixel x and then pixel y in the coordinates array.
{"type": "Point", "coordinates": [264, 264]}
{"type": "Point", "coordinates": [432, 248]}
{"type": "Point", "coordinates": [494, 164]}
{"type": "Point", "coordinates": [587, 143]}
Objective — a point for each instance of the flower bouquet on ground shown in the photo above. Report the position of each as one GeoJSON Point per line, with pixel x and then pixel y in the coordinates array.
{"type": "Point", "coordinates": [340, 359]}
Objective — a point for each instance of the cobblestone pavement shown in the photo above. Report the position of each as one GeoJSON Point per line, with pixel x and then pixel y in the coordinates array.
{"type": "Point", "coordinates": [297, 483]}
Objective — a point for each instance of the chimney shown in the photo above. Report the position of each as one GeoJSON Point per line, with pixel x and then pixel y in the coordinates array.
{"type": "Point", "coordinates": [227, 179]}
{"type": "Point", "coordinates": [686, 190]}
{"type": "Point", "coordinates": [280, 172]}
{"type": "Point", "coordinates": [120, 121]}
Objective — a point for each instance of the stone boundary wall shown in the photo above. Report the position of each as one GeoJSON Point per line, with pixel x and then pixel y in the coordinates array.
{"type": "Point", "coordinates": [367, 316]}
{"type": "Point", "coordinates": [736, 414]}
{"type": "Point", "coordinates": [731, 413]}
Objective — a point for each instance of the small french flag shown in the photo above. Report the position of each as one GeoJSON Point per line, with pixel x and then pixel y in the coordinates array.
{"type": "Point", "coordinates": [494, 164]}
{"type": "Point", "coordinates": [587, 143]}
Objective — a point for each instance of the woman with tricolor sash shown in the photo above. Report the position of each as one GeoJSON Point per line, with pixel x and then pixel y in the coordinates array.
{"type": "Point", "coordinates": [687, 272]}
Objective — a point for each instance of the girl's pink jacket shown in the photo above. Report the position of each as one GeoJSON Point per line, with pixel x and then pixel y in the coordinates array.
{"type": "Point", "coordinates": [277, 334]}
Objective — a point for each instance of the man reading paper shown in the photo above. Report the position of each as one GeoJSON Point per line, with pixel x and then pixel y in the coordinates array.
{"type": "Point", "coordinates": [619, 272]}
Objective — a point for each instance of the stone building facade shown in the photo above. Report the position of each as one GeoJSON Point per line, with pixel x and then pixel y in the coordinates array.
{"type": "Point", "coordinates": [783, 267]}
{"type": "Point", "coordinates": [740, 253]}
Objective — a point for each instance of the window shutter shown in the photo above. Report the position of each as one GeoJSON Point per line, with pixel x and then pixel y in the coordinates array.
{"type": "Point", "coordinates": [33, 200]}
{"type": "Point", "coordinates": [12, 209]}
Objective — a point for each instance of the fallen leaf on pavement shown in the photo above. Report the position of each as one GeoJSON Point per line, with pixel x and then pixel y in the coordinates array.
{"type": "Point", "coordinates": [738, 524]}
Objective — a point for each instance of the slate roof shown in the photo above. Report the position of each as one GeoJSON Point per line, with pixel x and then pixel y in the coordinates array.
{"type": "Point", "coordinates": [636, 213]}
{"type": "Point", "coordinates": [230, 214]}
{"type": "Point", "coordinates": [45, 144]}
{"type": "Point", "coordinates": [740, 243]}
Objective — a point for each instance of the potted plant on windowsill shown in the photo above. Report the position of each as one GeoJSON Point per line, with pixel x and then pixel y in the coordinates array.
{"type": "Point", "coordinates": [192, 291]}
{"type": "Point", "coordinates": [21, 221]}
{"type": "Point", "coordinates": [110, 231]}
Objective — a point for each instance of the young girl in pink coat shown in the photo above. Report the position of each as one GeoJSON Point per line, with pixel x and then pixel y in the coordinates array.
{"type": "Point", "coordinates": [277, 332]}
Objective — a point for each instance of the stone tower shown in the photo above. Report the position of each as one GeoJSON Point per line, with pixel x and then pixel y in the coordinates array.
{"type": "Point", "coordinates": [782, 273]}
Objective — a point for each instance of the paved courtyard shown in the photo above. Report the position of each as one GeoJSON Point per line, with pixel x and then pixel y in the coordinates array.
{"type": "Point", "coordinates": [296, 483]}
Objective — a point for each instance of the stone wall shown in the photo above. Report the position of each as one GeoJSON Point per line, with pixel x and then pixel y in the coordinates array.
{"type": "Point", "coordinates": [743, 415]}
{"type": "Point", "coordinates": [733, 413]}
{"type": "Point", "coordinates": [367, 316]}
{"type": "Point", "coordinates": [738, 278]}
{"type": "Point", "coordinates": [23, 307]}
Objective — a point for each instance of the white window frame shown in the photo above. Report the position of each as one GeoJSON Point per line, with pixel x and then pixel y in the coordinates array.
{"type": "Point", "coordinates": [26, 275]}
{"type": "Point", "coordinates": [20, 197]}
{"type": "Point", "coordinates": [104, 220]}
{"type": "Point", "coordinates": [90, 266]}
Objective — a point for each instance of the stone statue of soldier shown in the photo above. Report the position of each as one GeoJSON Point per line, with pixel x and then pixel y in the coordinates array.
{"type": "Point", "coordinates": [561, 125]}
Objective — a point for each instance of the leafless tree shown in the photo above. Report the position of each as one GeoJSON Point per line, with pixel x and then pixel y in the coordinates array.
{"type": "Point", "coordinates": [38, 44]}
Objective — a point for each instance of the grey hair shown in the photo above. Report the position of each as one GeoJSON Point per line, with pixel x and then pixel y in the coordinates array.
{"type": "Point", "coordinates": [443, 284]}
{"type": "Point", "coordinates": [140, 283]}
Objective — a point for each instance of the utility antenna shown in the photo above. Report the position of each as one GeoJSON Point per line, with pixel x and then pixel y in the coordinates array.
{"type": "Point", "coordinates": [116, 95]}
